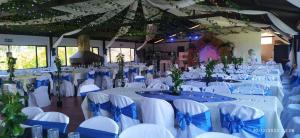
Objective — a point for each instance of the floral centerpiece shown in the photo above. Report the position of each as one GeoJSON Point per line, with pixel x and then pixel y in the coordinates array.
{"type": "Point", "coordinates": [120, 74]}
{"type": "Point", "coordinates": [209, 70]}
{"type": "Point", "coordinates": [176, 79]}
{"type": "Point", "coordinates": [12, 115]}
{"type": "Point", "coordinates": [58, 65]}
{"type": "Point", "coordinates": [11, 62]}
{"type": "Point", "coordinates": [224, 61]}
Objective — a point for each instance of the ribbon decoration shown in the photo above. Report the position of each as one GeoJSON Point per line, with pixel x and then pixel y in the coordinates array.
{"type": "Point", "coordinates": [150, 71]}
{"type": "Point", "coordinates": [91, 76]}
{"type": "Point", "coordinates": [39, 83]}
{"type": "Point", "coordinates": [139, 79]}
{"type": "Point", "coordinates": [83, 94]}
{"type": "Point", "coordinates": [234, 124]}
{"type": "Point", "coordinates": [129, 111]}
{"type": "Point", "coordinates": [93, 133]}
{"type": "Point", "coordinates": [62, 127]}
{"type": "Point", "coordinates": [96, 107]}
{"type": "Point", "coordinates": [201, 120]}
{"type": "Point", "coordinates": [67, 78]}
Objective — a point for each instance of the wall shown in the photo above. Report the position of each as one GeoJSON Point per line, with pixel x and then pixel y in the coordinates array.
{"type": "Point", "coordinates": [243, 42]}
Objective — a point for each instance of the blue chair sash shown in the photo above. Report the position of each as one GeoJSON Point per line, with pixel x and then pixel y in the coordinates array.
{"type": "Point", "coordinates": [201, 120]}
{"type": "Point", "coordinates": [150, 71]}
{"type": "Point", "coordinates": [83, 94]}
{"type": "Point", "coordinates": [236, 125]}
{"type": "Point", "coordinates": [140, 80]}
{"type": "Point", "coordinates": [105, 74]}
{"type": "Point", "coordinates": [95, 107]}
{"type": "Point", "coordinates": [39, 83]}
{"type": "Point", "coordinates": [126, 74]}
{"type": "Point", "coordinates": [67, 78]}
{"type": "Point", "coordinates": [90, 76]}
{"type": "Point", "coordinates": [133, 70]}
{"type": "Point", "coordinates": [92, 133]}
{"type": "Point", "coordinates": [62, 127]}
{"type": "Point", "coordinates": [130, 111]}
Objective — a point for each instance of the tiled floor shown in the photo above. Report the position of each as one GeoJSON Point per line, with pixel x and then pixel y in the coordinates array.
{"type": "Point", "coordinates": [71, 107]}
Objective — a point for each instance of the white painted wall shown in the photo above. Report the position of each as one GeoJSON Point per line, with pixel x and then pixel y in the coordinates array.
{"type": "Point", "coordinates": [243, 42]}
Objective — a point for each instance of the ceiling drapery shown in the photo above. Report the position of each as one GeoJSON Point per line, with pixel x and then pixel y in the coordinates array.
{"type": "Point", "coordinates": [295, 2]}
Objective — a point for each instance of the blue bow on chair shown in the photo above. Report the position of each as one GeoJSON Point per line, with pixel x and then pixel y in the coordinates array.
{"type": "Point", "coordinates": [133, 70]}
{"type": "Point", "coordinates": [236, 125]}
{"type": "Point", "coordinates": [129, 111]}
{"type": "Point", "coordinates": [92, 133]}
{"type": "Point", "coordinates": [83, 94]}
{"type": "Point", "coordinates": [67, 78]}
{"type": "Point", "coordinates": [140, 80]}
{"type": "Point", "coordinates": [96, 107]}
{"type": "Point", "coordinates": [62, 127]}
{"type": "Point", "coordinates": [90, 76]}
{"type": "Point", "coordinates": [39, 83]}
{"type": "Point", "coordinates": [201, 120]}
{"type": "Point", "coordinates": [150, 71]}
{"type": "Point", "coordinates": [105, 74]}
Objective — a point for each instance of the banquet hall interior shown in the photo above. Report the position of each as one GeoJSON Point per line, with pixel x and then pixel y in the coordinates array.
{"type": "Point", "coordinates": [149, 68]}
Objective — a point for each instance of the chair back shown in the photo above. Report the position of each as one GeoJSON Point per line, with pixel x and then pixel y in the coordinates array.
{"type": "Point", "coordinates": [146, 131]}
{"type": "Point", "coordinates": [99, 104]}
{"type": "Point", "coordinates": [124, 111]}
{"type": "Point", "coordinates": [50, 120]}
{"type": "Point", "coordinates": [85, 89]}
{"type": "Point", "coordinates": [95, 128]}
{"type": "Point", "coordinates": [31, 112]}
{"type": "Point", "coordinates": [193, 118]}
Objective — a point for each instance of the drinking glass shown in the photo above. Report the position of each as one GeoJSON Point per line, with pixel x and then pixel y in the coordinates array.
{"type": "Point", "coordinates": [37, 131]}
{"type": "Point", "coordinates": [53, 133]}
{"type": "Point", "coordinates": [74, 135]}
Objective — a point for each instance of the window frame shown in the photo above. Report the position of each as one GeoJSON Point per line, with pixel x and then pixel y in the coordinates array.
{"type": "Point", "coordinates": [134, 50]}
{"type": "Point", "coordinates": [36, 56]}
{"type": "Point", "coordinates": [66, 54]}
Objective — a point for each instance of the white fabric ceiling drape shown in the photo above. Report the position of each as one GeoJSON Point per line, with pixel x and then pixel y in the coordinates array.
{"type": "Point", "coordinates": [295, 2]}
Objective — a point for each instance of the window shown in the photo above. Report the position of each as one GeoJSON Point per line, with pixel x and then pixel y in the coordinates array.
{"type": "Point", "coordinates": [266, 40]}
{"type": "Point", "coordinates": [95, 50]}
{"type": "Point", "coordinates": [65, 52]}
{"type": "Point", "coordinates": [27, 56]}
{"type": "Point", "coordinates": [127, 52]}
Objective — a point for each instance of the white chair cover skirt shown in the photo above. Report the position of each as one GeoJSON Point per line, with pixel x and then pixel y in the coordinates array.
{"type": "Point", "coordinates": [40, 96]}
{"type": "Point", "coordinates": [146, 131]}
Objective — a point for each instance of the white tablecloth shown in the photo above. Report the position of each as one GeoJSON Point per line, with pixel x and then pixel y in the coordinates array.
{"type": "Point", "coordinates": [270, 105]}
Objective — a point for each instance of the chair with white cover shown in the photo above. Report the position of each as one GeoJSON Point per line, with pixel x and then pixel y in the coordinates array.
{"type": "Point", "coordinates": [215, 135]}
{"type": "Point", "coordinates": [242, 121]}
{"type": "Point", "coordinates": [293, 129]}
{"type": "Point", "coordinates": [158, 85]}
{"type": "Point", "coordinates": [40, 96]}
{"type": "Point", "coordinates": [106, 79]}
{"type": "Point", "coordinates": [67, 87]}
{"type": "Point", "coordinates": [98, 127]}
{"type": "Point", "coordinates": [294, 99]}
{"type": "Point", "coordinates": [31, 112]}
{"type": "Point", "coordinates": [50, 120]}
{"type": "Point", "coordinates": [133, 71]}
{"type": "Point", "coordinates": [139, 78]}
{"type": "Point", "coordinates": [159, 112]}
{"type": "Point", "coordinates": [149, 73]}
{"type": "Point", "coordinates": [135, 85]}
{"type": "Point", "coordinates": [146, 131]}
{"type": "Point", "coordinates": [90, 78]}
{"type": "Point", "coordinates": [96, 104]}
{"type": "Point", "coordinates": [124, 111]}
{"type": "Point", "coordinates": [193, 118]}
{"type": "Point", "coordinates": [189, 88]}
{"type": "Point", "coordinates": [289, 112]}
{"type": "Point", "coordinates": [85, 89]}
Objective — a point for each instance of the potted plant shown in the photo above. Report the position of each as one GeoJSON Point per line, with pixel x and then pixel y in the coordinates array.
{"type": "Point", "coordinates": [120, 75]}
{"type": "Point", "coordinates": [12, 116]}
{"type": "Point", "coordinates": [224, 61]}
{"type": "Point", "coordinates": [58, 64]}
{"type": "Point", "coordinates": [235, 62]}
{"type": "Point", "coordinates": [11, 62]}
{"type": "Point", "coordinates": [176, 79]}
{"type": "Point", "coordinates": [209, 70]}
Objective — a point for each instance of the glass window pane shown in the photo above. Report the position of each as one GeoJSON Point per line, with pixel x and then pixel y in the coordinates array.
{"type": "Point", "coordinates": [42, 56]}
{"type": "Point", "coordinates": [62, 54]}
{"type": "Point", "coordinates": [70, 52]}
{"type": "Point", "coordinates": [126, 53]}
{"type": "Point", "coordinates": [25, 55]}
{"type": "Point", "coordinates": [132, 55]}
{"type": "Point", "coordinates": [96, 50]}
{"type": "Point", "coordinates": [3, 61]}
{"type": "Point", "coordinates": [113, 53]}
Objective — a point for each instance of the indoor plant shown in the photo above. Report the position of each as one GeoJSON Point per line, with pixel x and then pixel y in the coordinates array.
{"type": "Point", "coordinates": [58, 65]}
{"type": "Point", "coordinates": [120, 74]}
{"type": "Point", "coordinates": [224, 61]}
{"type": "Point", "coordinates": [209, 70]}
{"type": "Point", "coordinates": [12, 115]}
{"type": "Point", "coordinates": [11, 62]}
{"type": "Point", "coordinates": [176, 79]}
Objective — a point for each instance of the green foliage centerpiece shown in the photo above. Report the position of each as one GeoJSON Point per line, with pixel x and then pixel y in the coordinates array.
{"type": "Point", "coordinates": [209, 70]}
{"type": "Point", "coordinates": [224, 61]}
{"type": "Point", "coordinates": [120, 74]}
{"type": "Point", "coordinates": [176, 79]}
{"type": "Point", "coordinates": [12, 115]}
{"type": "Point", "coordinates": [237, 62]}
{"type": "Point", "coordinates": [11, 62]}
{"type": "Point", "coordinates": [58, 65]}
